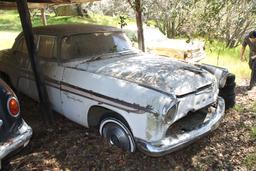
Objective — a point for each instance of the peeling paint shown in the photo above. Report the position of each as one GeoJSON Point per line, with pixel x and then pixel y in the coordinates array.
{"type": "Point", "coordinates": [153, 126]}
{"type": "Point", "coordinates": [71, 97]}
{"type": "Point", "coordinates": [159, 73]}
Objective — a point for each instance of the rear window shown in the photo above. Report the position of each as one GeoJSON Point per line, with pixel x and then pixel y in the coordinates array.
{"type": "Point", "coordinates": [89, 45]}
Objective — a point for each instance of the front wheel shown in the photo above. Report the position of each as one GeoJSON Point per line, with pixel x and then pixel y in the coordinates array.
{"type": "Point", "coordinates": [117, 134]}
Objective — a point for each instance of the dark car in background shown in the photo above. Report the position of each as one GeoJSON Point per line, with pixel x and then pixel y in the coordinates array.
{"type": "Point", "coordinates": [14, 131]}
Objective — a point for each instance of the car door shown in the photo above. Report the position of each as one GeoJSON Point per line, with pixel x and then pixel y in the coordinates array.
{"type": "Point", "coordinates": [51, 68]}
{"type": "Point", "coordinates": [74, 105]}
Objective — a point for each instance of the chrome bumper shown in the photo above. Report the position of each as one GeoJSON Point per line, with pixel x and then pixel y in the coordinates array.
{"type": "Point", "coordinates": [170, 144]}
{"type": "Point", "coordinates": [24, 134]}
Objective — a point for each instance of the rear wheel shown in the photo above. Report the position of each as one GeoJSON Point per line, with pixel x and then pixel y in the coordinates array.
{"type": "Point", "coordinates": [229, 104]}
{"type": "Point", "coordinates": [226, 93]}
{"type": "Point", "coordinates": [229, 87]}
{"type": "Point", "coordinates": [229, 101]}
{"type": "Point", "coordinates": [230, 79]}
{"type": "Point", "coordinates": [116, 133]}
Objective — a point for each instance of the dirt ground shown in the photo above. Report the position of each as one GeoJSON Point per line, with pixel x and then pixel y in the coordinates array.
{"type": "Point", "coordinates": [68, 146]}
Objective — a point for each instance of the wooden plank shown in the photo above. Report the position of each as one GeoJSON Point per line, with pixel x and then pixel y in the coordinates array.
{"type": "Point", "coordinates": [43, 17]}
{"type": "Point", "coordinates": [38, 74]}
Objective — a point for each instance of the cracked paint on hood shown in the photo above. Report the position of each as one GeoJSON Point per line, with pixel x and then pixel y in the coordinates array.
{"type": "Point", "coordinates": [161, 73]}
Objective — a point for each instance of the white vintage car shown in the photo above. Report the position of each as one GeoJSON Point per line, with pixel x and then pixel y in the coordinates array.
{"type": "Point", "coordinates": [137, 100]}
{"type": "Point", "coordinates": [158, 43]}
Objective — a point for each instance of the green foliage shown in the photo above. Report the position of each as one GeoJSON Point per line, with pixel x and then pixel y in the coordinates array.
{"type": "Point", "coordinates": [122, 21]}
{"type": "Point", "coordinates": [10, 20]}
{"type": "Point", "coordinates": [253, 133]}
{"type": "Point", "coordinates": [219, 55]}
{"type": "Point", "coordinates": [250, 161]}
{"type": "Point", "coordinates": [239, 108]}
{"type": "Point", "coordinates": [254, 107]}
{"type": "Point", "coordinates": [227, 21]}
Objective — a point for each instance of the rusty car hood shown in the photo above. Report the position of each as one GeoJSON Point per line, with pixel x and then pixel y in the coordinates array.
{"type": "Point", "coordinates": [156, 72]}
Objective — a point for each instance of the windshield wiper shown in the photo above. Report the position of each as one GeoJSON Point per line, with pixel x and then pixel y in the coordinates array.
{"type": "Point", "coordinates": [108, 55]}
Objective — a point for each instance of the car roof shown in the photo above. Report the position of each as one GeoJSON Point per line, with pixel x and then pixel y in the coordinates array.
{"type": "Point", "coordinates": [69, 29]}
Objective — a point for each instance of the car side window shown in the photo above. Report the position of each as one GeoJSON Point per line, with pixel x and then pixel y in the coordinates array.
{"type": "Point", "coordinates": [22, 46]}
{"type": "Point", "coordinates": [47, 47]}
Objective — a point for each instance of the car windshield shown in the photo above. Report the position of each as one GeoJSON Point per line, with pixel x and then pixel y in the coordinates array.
{"type": "Point", "coordinates": [93, 44]}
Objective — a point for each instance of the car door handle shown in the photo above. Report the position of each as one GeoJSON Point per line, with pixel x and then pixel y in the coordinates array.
{"type": "Point", "coordinates": [1, 123]}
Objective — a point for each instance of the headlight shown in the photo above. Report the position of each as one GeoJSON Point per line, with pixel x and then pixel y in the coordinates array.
{"type": "Point", "coordinates": [169, 116]}
{"type": "Point", "coordinates": [220, 73]}
{"type": "Point", "coordinates": [222, 81]}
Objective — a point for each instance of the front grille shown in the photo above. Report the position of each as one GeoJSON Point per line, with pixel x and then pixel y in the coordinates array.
{"type": "Point", "coordinates": [191, 121]}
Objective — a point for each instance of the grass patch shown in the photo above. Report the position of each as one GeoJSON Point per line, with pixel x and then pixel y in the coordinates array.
{"type": "Point", "coordinates": [250, 161]}
{"type": "Point", "coordinates": [218, 55]}
{"type": "Point", "coordinates": [9, 20]}
{"type": "Point", "coordinates": [254, 107]}
{"type": "Point", "coordinates": [239, 108]}
{"type": "Point", "coordinates": [253, 133]}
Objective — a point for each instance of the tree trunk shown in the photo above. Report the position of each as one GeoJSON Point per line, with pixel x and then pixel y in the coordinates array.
{"type": "Point", "coordinates": [139, 25]}
{"type": "Point", "coordinates": [173, 29]}
{"type": "Point", "coordinates": [138, 11]}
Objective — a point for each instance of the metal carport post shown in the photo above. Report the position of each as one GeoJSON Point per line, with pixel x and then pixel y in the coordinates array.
{"type": "Point", "coordinates": [24, 14]}
{"type": "Point", "coordinates": [22, 7]}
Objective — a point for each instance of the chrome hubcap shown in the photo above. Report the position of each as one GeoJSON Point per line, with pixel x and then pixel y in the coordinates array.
{"type": "Point", "coordinates": [116, 136]}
